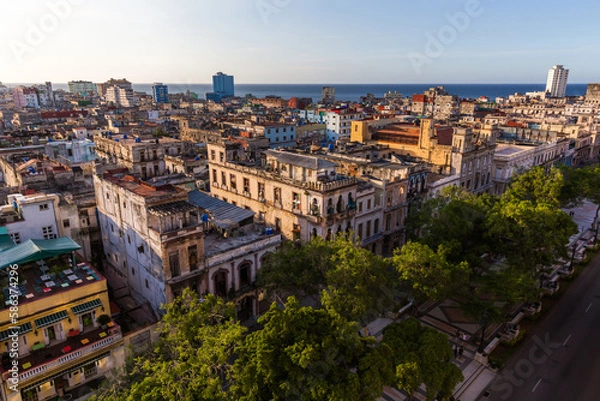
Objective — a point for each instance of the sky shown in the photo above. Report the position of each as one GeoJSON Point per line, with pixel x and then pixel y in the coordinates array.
{"type": "Point", "coordinates": [299, 41]}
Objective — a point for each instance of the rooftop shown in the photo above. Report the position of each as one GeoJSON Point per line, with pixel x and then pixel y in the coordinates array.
{"type": "Point", "coordinates": [295, 159]}
{"type": "Point", "coordinates": [167, 209]}
{"type": "Point", "coordinates": [56, 277]}
{"type": "Point", "coordinates": [143, 189]}
{"type": "Point", "coordinates": [222, 214]}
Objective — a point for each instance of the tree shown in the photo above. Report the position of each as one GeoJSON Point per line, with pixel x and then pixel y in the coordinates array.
{"type": "Point", "coordinates": [359, 284]}
{"type": "Point", "coordinates": [308, 354]}
{"type": "Point", "coordinates": [429, 273]}
{"type": "Point", "coordinates": [297, 269]}
{"type": "Point", "coordinates": [537, 186]}
{"type": "Point", "coordinates": [192, 361]}
{"type": "Point", "coordinates": [349, 278]}
{"type": "Point", "coordinates": [457, 220]}
{"type": "Point", "coordinates": [582, 183]}
{"type": "Point", "coordinates": [421, 355]}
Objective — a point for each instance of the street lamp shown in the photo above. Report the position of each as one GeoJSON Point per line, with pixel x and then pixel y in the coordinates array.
{"type": "Point", "coordinates": [484, 323]}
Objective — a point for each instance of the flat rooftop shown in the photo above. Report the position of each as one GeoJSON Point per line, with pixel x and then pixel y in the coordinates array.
{"type": "Point", "coordinates": [39, 284]}
{"type": "Point", "coordinates": [215, 244]}
{"type": "Point", "coordinates": [143, 189]}
{"type": "Point", "coordinates": [508, 151]}
{"type": "Point", "coordinates": [295, 159]}
{"type": "Point", "coordinates": [222, 214]}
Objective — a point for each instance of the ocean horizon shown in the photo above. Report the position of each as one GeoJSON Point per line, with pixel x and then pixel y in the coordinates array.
{"type": "Point", "coordinates": [353, 92]}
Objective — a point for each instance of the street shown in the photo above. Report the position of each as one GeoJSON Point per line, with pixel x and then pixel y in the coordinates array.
{"type": "Point", "coordinates": [560, 360]}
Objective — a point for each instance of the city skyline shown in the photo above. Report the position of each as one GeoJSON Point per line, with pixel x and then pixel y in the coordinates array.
{"type": "Point", "coordinates": [276, 42]}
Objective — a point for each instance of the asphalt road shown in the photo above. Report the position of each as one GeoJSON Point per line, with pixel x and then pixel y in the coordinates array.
{"type": "Point", "coordinates": [560, 361]}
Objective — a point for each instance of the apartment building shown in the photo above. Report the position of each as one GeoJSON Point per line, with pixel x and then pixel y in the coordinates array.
{"type": "Point", "coordinates": [339, 122]}
{"type": "Point", "coordinates": [52, 215]}
{"type": "Point", "coordinates": [512, 159]}
{"type": "Point", "coordinates": [298, 195]}
{"type": "Point", "coordinates": [141, 156]}
{"type": "Point", "coordinates": [63, 337]}
{"type": "Point", "coordinates": [160, 239]}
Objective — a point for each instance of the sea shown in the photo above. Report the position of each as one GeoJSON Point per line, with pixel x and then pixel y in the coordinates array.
{"type": "Point", "coordinates": [353, 92]}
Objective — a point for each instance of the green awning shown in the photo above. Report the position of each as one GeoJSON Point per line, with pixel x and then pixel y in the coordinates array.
{"type": "Point", "coordinates": [51, 319]}
{"type": "Point", "coordinates": [24, 328]}
{"type": "Point", "coordinates": [6, 241]}
{"type": "Point", "coordinates": [86, 306]}
{"type": "Point", "coordinates": [37, 249]}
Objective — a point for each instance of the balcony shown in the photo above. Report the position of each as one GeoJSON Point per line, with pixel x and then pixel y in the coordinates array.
{"type": "Point", "coordinates": [372, 239]}
{"type": "Point", "coordinates": [73, 350]}
{"type": "Point", "coordinates": [174, 234]}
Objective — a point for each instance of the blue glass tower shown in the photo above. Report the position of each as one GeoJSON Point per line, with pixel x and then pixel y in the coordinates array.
{"type": "Point", "coordinates": [222, 87]}
{"type": "Point", "coordinates": [160, 93]}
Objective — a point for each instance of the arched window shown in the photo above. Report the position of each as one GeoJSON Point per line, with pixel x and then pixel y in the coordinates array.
{"type": "Point", "coordinates": [220, 279]}
{"type": "Point", "coordinates": [245, 274]}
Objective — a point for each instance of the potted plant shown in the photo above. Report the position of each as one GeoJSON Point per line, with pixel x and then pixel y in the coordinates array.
{"type": "Point", "coordinates": [103, 321]}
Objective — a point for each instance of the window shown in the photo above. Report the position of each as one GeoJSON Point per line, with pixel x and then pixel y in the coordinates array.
{"type": "Point", "coordinates": [221, 156]}
{"type": "Point", "coordinates": [90, 370]}
{"type": "Point", "coordinates": [296, 201]}
{"type": "Point", "coordinates": [261, 191]}
{"type": "Point", "coordinates": [246, 185]}
{"type": "Point", "coordinates": [296, 232]}
{"type": "Point", "coordinates": [376, 226]}
{"type": "Point", "coordinates": [277, 195]}
{"type": "Point", "coordinates": [48, 232]}
{"type": "Point", "coordinates": [245, 274]}
{"type": "Point", "coordinates": [124, 205]}
{"type": "Point", "coordinates": [16, 237]}
{"type": "Point", "coordinates": [147, 285]}
{"type": "Point", "coordinates": [232, 181]}
{"type": "Point", "coordinates": [369, 204]}
{"type": "Point", "coordinates": [360, 230]}
{"type": "Point", "coordinates": [277, 224]}
{"type": "Point", "coordinates": [213, 155]}
{"type": "Point", "coordinates": [193, 257]}
{"type": "Point", "coordinates": [360, 206]}
{"type": "Point", "coordinates": [66, 223]}
{"type": "Point", "coordinates": [44, 206]}
{"type": "Point", "coordinates": [368, 229]}
{"type": "Point", "coordinates": [174, 263]}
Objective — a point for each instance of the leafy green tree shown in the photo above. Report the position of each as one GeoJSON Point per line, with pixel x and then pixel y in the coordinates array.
{"type": "Point", "coordinates": [430, 275]}
{"type": "Point", "coordinates": [297, 269]}
{"type": "Point", "coordinates": [192, 361]}
{"type": "Point", "coordinates": [359, 284]}
{"type": "Point", "coordinates": [306, 354]}
{"type": "Point", "coordinates": [582, 183]}
{"type": "Point", "coordinates": [457, 220]}
{"type": "Point", "coordinates": [421, 355]}
{"type": "Point", "coordinates": [537, 186]}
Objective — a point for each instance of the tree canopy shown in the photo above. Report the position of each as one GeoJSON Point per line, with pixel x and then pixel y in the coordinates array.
{"type": "Point", "coordinates": [304, 353]}
{"type": "Point", "coordinates": [192, 361]}
{"type": "Point", "coordinates": [421, 355]}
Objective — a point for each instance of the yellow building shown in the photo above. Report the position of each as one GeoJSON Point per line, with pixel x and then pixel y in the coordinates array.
{"type": "Point", "coordinates": [55, 328]}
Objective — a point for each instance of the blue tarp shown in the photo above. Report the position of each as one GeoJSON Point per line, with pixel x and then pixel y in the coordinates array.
{"type": "Point", "coordinates": [37, 249]}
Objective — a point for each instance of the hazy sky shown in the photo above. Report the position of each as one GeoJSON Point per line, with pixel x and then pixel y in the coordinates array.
{"type": "Point", "coordinates": [299, 41]}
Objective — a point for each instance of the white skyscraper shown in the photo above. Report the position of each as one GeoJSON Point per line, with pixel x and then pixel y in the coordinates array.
{"type": "Point", "coordinates": [557, 81]}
